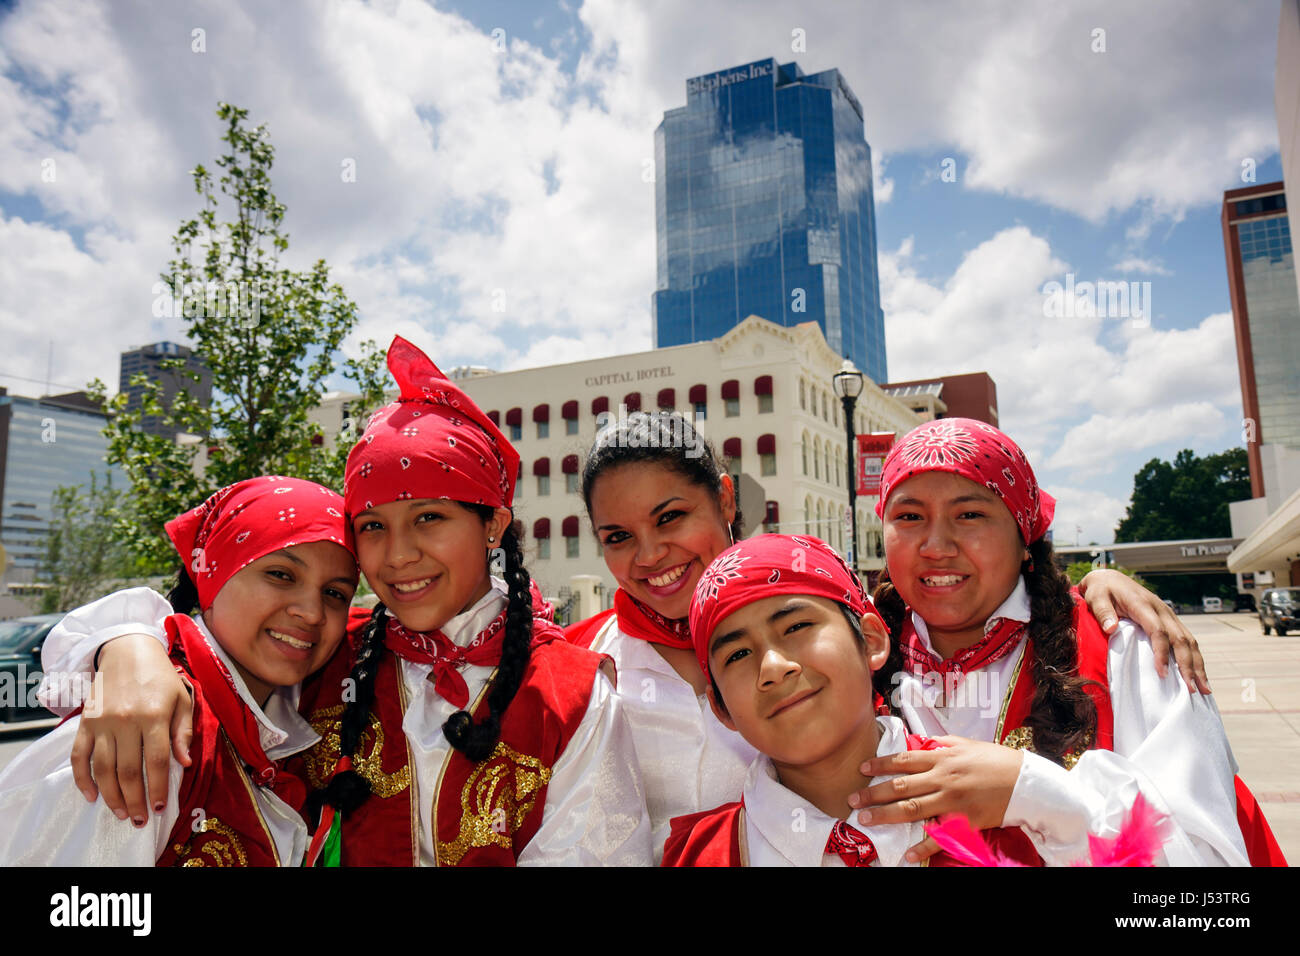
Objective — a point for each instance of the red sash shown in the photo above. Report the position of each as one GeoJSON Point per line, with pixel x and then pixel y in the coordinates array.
{"type": "Point", "coordinates": [582, 633]}
{"type": "Point", "coordinates": [219, 823]}
{"type": "Point", "coordinates": [484, 813]}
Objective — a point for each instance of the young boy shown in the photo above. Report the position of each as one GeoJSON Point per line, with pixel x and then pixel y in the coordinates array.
{"type": "Point", "coordinates": [789, 640]}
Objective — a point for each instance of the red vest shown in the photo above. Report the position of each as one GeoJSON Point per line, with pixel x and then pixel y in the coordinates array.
{"type": "Point", "coordinates": [582, 633]}
{"type": "Point", "coordinates": [712, 838]}
{"type": "Point", "coordinates": [484, 813]}
{"type": "Point", "coordinates": [220, 823]}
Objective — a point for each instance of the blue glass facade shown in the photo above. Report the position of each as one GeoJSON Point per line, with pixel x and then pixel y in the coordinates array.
{"type": "Point", "coordinates": [764, 206]}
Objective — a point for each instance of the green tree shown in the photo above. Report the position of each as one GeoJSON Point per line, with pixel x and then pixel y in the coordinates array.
{"type": "Point", "coordinates": [271, 337]}
{"type": "Point", "coordinates": [1187, 498]}
{"type": "Point", "coordinates": [81, 554]}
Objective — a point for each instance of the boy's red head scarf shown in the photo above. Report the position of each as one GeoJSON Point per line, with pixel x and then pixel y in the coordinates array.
{"type": "Point", "coordinates": [433, 442]}
{"type": "Point", "coordinates": [250, 519]}
{"type": "Point", "coordinates": [979, 452]}
{"type": "Point", "coordinates": [762, 567]}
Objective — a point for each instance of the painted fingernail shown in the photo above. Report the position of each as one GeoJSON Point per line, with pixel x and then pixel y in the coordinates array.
{"type": "Point", "coordinates": [158, 808]}
{"type": "Point", "coordinates": [138, 821]}
{"type": "Point", "coordinates": [120, 814]}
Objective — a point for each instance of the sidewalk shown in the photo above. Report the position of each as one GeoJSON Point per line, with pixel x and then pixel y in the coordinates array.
{"type": "Point", "coordinates": [1256, 682]}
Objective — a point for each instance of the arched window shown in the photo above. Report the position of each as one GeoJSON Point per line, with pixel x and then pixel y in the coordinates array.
{"type": "Point", "coordinates": [817, 529]}
{"type": "Point", "coordinates": [803, 399]}
{"type": "Point", "coordinates": [803, 451]}
{"type": "Point", "coordinates": [817, 458]}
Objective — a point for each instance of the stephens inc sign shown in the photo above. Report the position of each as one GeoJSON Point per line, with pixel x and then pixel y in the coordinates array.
{"type": "Point", "coordinates": [713, 81]}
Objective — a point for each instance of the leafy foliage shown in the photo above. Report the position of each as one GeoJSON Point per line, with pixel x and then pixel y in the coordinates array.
{"type": "Point", "coordinates": [1187, 498]}
{"type": "Point", "coordinates": [270, 335]}
{"type": "Point", "coordinates": [80, 551]}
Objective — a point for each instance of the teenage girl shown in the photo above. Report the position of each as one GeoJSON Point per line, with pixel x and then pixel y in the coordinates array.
{"type": "Point", "coordinates": [459, 728]}
{"type": "Point", "coordinates": [975, 602]}
{"type": "Point", "coordinates": [274, 573]}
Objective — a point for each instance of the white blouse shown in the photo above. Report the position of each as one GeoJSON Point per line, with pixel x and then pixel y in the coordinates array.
{"type": "Point", "coordinates": [45, 821]}
{"type": "Point", "coordinates": [689, 760]}
{"type": "Point", "coordinates": [594, 813]}
{"type": "Point", "coordinates": [1169, 745]}
{"type": "Point", "coordinates": [784, 829]}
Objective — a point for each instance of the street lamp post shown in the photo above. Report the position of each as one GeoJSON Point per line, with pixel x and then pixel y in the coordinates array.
{"type": "Point", "coordinates": [848, 386]}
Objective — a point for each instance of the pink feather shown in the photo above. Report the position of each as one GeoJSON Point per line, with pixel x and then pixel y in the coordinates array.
{"type": "Point", "coordinates": [958, 839]}
{"type": "Point", "coordinates": [1139, 840]}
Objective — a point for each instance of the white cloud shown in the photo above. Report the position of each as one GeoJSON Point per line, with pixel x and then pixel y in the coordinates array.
{"type": "Point", "coordinates": [1089, 448]}
{"type": "Point", "coordinates": [1085, 514]}
{"type": "Point", "coordinates": [1143, 266]}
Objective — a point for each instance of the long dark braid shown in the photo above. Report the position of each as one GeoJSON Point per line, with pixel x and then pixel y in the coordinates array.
{"type": "Point", "coordinates": [477, 740]}
{"type": "Point", "coordinates": [1062, 715]}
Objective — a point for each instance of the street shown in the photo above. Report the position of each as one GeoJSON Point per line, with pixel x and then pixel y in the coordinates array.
{"type": "Point", "coordinates": [1256, 681]}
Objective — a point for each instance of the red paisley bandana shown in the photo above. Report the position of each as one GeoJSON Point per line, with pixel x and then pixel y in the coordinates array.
{"type": "Point", "coordinates": [764, 566]}
{"type": "Point", "coordinates": [250, 519]}
{"type": "Point", "coordinates": [979, 452]}
{"type": "Point", "coordinates": [647, 624]}
{"type": "Point", "coordinates": [851, 845]}
{"type": "Point", "coordinates": [433, 442]}
{"type": "Point", "coordinates": [1001, 635]}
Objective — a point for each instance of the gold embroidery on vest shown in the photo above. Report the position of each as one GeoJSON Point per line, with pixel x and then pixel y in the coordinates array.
{"type": "Point", "coordinates": [1022, 738]}
{"type": "Point", "coordinates": [220, 843]}
{"type": "Point", "coordinates": [497, 797]}
{"type": "Point", "coordinates": [324, 757]}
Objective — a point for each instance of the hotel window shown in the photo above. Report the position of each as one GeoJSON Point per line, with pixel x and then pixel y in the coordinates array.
{"type": "Point", "coordinates": [542, 417]}
{"type": "Point", "coordinates": [731, 451]}
{"type": "Point", "coordinates": [569, 528]}
{"type": "Point", "coordinates": [803, 396]}
{"type": "Point", "coordinates": [731, 397]}
{"type": "Point", "coordinates": [699, 399]}
{"type": "Point", "coordinates": [763, 389]}
{"type": "Point", "coordinates": [515, 419]}
{"type": "Point", "coordinates": [542, 532]}
{"type": "Point", "coordinates": [543, 484]}
{"type": "Point", "coordinates": [570, 468]}
{"type": "Point", "coordinates": [544, 548]}
{"type": "Point", "coordinates": [767, 455]}
{"type": "Point", "coordinates": [569, 412]}
{"type": "Point", "coordinates": [543, 429]}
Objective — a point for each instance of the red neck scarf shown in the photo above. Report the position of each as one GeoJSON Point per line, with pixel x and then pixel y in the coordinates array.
{"type": "Point", "coordinates": [1001, 634]}
{"type": "Point", "coordinates": [447, 657]}
{"type": "Point", "coordinates": [851, 845]}
{"type": "Point", "coordinates": [236, 718]}
{"type": "Point", "coordinates": [647, 624]}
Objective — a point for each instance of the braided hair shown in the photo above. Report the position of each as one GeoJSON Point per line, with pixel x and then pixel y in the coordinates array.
{"type": "Point", "coordinates": [348, 789]}
{"type": "Point", "coordinates": [184, 595]}
{"type": "Point", "coordinates": [1062, 715]}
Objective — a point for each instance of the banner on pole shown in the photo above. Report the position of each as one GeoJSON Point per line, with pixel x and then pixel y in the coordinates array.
{"type": "Point", "coordinates": [872, 449]}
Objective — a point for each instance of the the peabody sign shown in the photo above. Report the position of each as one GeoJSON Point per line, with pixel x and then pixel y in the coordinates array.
{"type": "Point", "coordinates": [1201, 550]}
{"type": "Point", "coordinates": [712, 81]}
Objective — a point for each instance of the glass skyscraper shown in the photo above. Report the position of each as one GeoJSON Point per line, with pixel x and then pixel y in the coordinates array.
{"type": "Point", "coordinates": [764, 206]}
{"type": "Point", "coordinates": [1266, 316]}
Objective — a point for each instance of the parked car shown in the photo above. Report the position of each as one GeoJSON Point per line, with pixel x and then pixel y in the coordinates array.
{"type": "Point", "coordinates": [1279, 609]}
{"type": "Point", "coordinates": [20, 666]}
{"type": "Point", "coordinates": [1211, 605]}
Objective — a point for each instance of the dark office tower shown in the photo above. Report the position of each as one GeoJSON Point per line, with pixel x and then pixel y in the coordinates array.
{"type": "Point", "coordinates": [1266, 318]}
{"type": "Point", "coordinates": [148, 359]}
{"type": "Point", "coordinates": [763, 206]}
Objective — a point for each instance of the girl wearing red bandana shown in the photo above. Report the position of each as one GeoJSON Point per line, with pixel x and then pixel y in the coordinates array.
{"type": "Point", "coordinates": [663, 508]}
{"type": "Point", "coordinates": [989, 645]}
{"type": "Point", "coordinates": [269, 562]}
{"type": "Point", "coordinates": [458, 728]}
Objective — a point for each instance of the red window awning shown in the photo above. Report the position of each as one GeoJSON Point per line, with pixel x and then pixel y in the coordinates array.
{"type": "Point", "coordinates": [667, 398]}
{"type": "Point", "coordinates": [772, 513]}
{"type": "Point", "coordinates": [495, 416]}
{"type": "Point", "coordinates": [542, 466]}
{"type": "Point", "coordinates": [599, 405]}
{"type": "Point", "coordinates": [767, 444]}
{"type": "Point", "coordinates": [731, 447]}
{"type": "Point", "coordinates": [569, 527]}
{"type": "Point", "coordinates": [542, 528]}
{"type": "Point", "coordinates": [633, 401]}
{"type": "Point", "coordinates": [515, 416]}
{"type": "Point", "coordinates": [731, 388]}
{"type": "Point", "coordinates": [699, 393]}
{"type": "Point", "coordinates": [542, 413]}
{"type": "Point", "coordinates": [569, 409]}
{"type": "Point", "coordinates": [763, 385]}
{"type": "Point", "coordinates": [569, 465]}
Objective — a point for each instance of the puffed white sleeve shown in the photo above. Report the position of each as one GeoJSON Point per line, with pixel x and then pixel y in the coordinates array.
{"type": "Point", "coordinates": [595, 811]}
{"type": "Point", "coordinates": [45, 821]}
{"type": "Point", "coordinates": [68, 652]}
{"type": "Point", "coordinates": [1170, 746]}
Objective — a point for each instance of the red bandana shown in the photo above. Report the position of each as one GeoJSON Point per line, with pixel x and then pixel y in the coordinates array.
{"type": "Point", "coordinates": [764, 566]}
{"type": "Point", "coordinates": [979, 452]}
{"type": "Point", "coordinates": [447, 657]}
{"type": "Point", "coordinates": [235, 716]}
{"type": "Point", "coordinates": [433, 442]}
{"type": "Point", "coordinates": [1001, 635]}
{"type": "Point", "coordinates": [250, 519]}
{"type": "Point", "coordinates": [646, 623]}
{"type": "Point", "coordinates": [851, 845]}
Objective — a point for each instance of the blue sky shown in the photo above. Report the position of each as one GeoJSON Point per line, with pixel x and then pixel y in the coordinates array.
{"type": "Point", "coordinates": [499, 148]}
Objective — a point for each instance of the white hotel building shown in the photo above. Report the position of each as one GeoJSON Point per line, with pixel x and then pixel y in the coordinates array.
{"type": "Point", "coordinates": [761, 394]}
